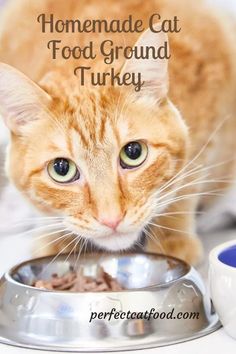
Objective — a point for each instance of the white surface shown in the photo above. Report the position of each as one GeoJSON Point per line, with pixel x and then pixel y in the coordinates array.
{"type": "Point", "coordinates": [15, 249]}
{"type": "Point", "coordinates": [216, 343]}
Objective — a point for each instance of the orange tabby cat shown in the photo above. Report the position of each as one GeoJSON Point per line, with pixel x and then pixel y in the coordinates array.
{"type": "Point", "coordinates": [110, 161]}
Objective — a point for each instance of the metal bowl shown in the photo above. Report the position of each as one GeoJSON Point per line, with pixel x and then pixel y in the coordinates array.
{"type": "Point", "coordinates": [60, 321]}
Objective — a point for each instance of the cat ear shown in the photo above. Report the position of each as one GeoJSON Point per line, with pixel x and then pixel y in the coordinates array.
{"type": "Point", "coordinates": [21, 100]}
{"type": "Point", "coordinates": [154, 72]}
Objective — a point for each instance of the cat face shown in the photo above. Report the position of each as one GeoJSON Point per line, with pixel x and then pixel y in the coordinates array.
{"type": "Point", "coordinates": [98, 157]}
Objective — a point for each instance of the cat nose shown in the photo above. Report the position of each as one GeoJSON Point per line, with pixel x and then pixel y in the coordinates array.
{"type": "Point", "coordinates": [111, 223]}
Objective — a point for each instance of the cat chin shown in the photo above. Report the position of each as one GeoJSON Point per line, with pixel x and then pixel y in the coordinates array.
{"type": "Point", "coordinates": [118, 242]}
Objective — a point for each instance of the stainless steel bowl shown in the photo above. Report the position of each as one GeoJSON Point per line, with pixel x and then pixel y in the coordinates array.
{"type": "Point", "coordinates": [56, 320]}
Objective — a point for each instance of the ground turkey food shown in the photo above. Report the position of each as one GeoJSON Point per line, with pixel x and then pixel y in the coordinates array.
{"type": "Point", "coordinates": [75, 281]}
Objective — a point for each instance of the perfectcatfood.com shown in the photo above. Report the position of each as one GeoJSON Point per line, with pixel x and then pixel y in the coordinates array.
{"type": "Point", "coordinates": [145, 315]}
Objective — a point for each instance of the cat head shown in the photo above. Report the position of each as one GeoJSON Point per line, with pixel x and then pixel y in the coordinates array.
{"type": "Point", "coordinates": [100, 157]}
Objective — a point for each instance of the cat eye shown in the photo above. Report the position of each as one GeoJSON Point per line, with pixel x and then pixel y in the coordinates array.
{"type": "Point", "coordinates": [133, 154]}
{"type": "Point", "coordinates": [63, 170]}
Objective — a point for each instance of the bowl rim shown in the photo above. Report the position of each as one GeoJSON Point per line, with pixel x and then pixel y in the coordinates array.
{"type": "Point", "coordinates": [9, 278]}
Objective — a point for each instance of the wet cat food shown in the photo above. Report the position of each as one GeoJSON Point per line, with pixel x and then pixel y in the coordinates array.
{"type": "Point", "coordinates": [76, 281]}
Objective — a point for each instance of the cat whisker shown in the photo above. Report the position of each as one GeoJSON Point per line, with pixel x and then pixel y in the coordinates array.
{"type": "Point", "coordinates": [36, 218]}
{"type": "Point", "coordinates": [187, 196]}
{"type": "Point", "coordinates": [174, 213]}
{"type": "Point", "coordinates": [79, 253]}
{"type": "Point", "coordinates": [136, 243]}
{"type": "Point", "coordinates": [73, 249]}
{"type": "Point", "coordinates": [169, 228]}
{"type": "Point", "coordinates": [60, 252]}
{"type": "Point", "coordinates": [212, 135]}
{"type": "Point", "coordinates": [198, 181]}
{"type": "Point", "coordinates": [50, 234]}
{"type": "Point", "coordinates": [184, 186]}
{"type": "Point", "coordinates": [29, 222]}
{"type": "Point", "coordinates": [61, 237]}
{"type": "Point", "coordinates": [195, 170]}
{"type": "Point", "coordinates": [37, 229]}
{"type": "Point", "coordinates": [175, 178]}
{"type": "Point", "coordinates": [86, 244]}
{"type": "Point", "coordinates": [154, 239]}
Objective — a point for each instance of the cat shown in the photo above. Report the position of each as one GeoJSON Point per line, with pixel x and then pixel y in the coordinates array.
{"type": "Point", "coordinates": [109, 162]}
